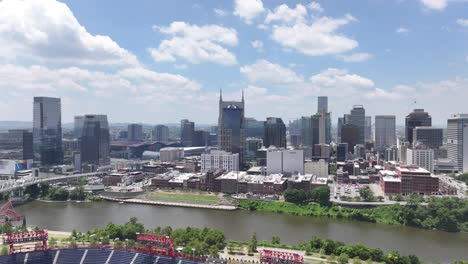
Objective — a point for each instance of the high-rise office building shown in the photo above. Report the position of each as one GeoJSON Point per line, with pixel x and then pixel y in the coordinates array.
{"type": "Point", "coordinates": [416, 119]}
{"type": "Point", "coordinates": [274, 133]}
{"type": "Point", "coordinates": [341, 151]}
{"type": "Point", "coordinates": [294, 128]}
{"type": "Point", "coordinates": [201, 138]}
{"type": "Point", "coordinates": [385, 131]}
{"type": "Point", "coordinates": [254, 128]}
{"type": "Point", "coordinates": [253, 145]}
{"type": "Point", "coordinates": [357, 117]}
{"type": "Point", "coordinates": [17, 143]}
{"type": "Point", "coordinates": [47, 131]}
{"type": "Point", "coordinates": [341, 121]}
{"type": "Point", "coordinates": [231, 127]}
{"type": "Point", "coordinates": [135, 132]}
{"type": "Point", "coordinates": [421, 156]}
{"type": "Point", "coordinates": [350, 134]}
{"type": "Point", "coordinates": [78, 122]}
{"type": "Point", "coordinates": [95, 140]}
{"type": "Point", "coordinates": [322, 104]}
{"type": "Point", "coordinates": [457, 141]}
{"type": "Point", "coordinates": [368, 129]}
{"type": "Point", "coordinates": [187, 131]}
{"type": "Point", "coordinates": [161, 134]}
{"type": "Point", "coordinates": [431, 137]}
{"type": "Point", "coordinates": [316, 129]}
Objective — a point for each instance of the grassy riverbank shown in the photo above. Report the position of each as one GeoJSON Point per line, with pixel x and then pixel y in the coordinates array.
{"type": "Point", "coordinates": [446, 214]}
{"type": "Point", "coordinates": [189, 198]}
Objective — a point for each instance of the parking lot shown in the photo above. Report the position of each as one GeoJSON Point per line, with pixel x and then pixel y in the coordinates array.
{"type": "Point", "coordinates": [352, 190]}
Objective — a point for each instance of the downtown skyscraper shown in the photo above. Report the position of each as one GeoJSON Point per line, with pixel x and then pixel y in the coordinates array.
{"type": "Point", "coordinates": [417, 118]}
{"type": "Point", "coordinates": [357, 117]}
{"type": "Point", "coordinates": [47, 131]}
{"type": "Point", "coordinates": [274, 133]}
{"type": "Point", "coordinates": [385, 131]}
{"type": "Point", "coordinates": [457, 141]}
{"type": "Point", "coordinates": [95, 140]}
{"type": "Point", "coordinates": [231, 127]}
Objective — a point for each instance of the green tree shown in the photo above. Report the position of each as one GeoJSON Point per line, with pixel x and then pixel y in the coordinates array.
{"type": "Point", "coordinates": [323, 195]}
{"type": "Point", "coordinates": [275, 240]}
{"type": "Point", "coordinates": [343, 258]}
{"type": "Point", "coordinates": [253, 243]}
{"type": "Point", "coordinates": [295, 196]}
{"type": "Point", "coordinates": [366, 194]}
{"type": "Point", "coordinates": [213, 251]}
{"type": "Point", "coordinates": [77, 194]}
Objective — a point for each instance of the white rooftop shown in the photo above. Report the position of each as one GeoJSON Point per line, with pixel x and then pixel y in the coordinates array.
{"type": "Point", "coordinates": [391, 179]}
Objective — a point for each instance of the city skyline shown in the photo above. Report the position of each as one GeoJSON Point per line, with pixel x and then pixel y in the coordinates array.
{"type": "Point", "coordinates": [141, 74]}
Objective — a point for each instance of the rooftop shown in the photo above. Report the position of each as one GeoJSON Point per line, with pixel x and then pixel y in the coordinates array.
{"type": "Point", "coordinates": [391, 179]}
{"type": "Point", "coordinates": [388, 173]}
{"type": "Point", "coordinates": [233, 175]}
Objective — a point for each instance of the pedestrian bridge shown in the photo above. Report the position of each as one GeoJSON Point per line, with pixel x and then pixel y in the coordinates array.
{"type": "Point", "coordinates": [11, 185]}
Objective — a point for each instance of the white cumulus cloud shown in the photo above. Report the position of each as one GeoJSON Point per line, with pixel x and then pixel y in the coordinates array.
{"type": "Point", "coordinates": [356, 57]}
{"type": "Point", "coordinates": [316, 39]}
{"type": "Point", "coordinates": [435, 4]}
{"type": "Point", "coordinates": [48, 31]}
{"type": "Point", "coordinates": [257, 44]}
{"type": "Point", "coordinates": [462, 22]}
{"type": "Point", "coordinates": [286, 14]}
{"type": "Point", "coordinates": [247, 10]}
{"type": "Point", "coordinates": [263, 71]}
{"type": "Point", "coordinates": [196, 44]}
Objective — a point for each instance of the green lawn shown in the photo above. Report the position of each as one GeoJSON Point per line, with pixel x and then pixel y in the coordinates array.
{"type": "Point", "coordinates": [183, 198]}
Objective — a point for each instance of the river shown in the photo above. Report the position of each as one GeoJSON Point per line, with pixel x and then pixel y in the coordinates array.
{"type": "Point", "coordinates": [434, 246]}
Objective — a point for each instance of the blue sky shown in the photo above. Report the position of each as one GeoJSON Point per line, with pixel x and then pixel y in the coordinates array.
{"type": "Point", "coordinates": [161, 61]}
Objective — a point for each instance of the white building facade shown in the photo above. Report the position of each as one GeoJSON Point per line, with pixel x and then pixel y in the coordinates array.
{"type": "Point", "coordinates": [285, 161]}
{"type": "Point", "coordinates": [422, 157]}
{"type": "Point", "coordinates": [219, 160]}
{"type": "Point", "coordinates": [171, 154]}
{"type": "Point", "coordinates": [457, 141]}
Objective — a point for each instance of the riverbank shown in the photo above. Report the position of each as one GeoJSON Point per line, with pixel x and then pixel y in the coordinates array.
{"type": "Point", "coordinates": [188, 205]}
{"type": "Point", "coordinates": [239, 225]}
{"type": "Point", "coordinates": [445, 214]}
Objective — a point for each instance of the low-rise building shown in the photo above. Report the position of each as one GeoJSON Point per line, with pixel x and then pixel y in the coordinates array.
{"type": "Point", "coordinates": [417, 180]}
{"type": "Point", "coordinates": [319, 168]}
{"type": "Point", "coordinates": [228, 181]}
{"type": "Point", "coordinates": [390, 182]}
{"type": "Point", "coordinates": [306, 182]}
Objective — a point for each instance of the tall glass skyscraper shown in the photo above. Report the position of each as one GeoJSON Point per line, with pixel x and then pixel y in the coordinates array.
{"type": "Point", "coordinates": [95, 140]}
{"type": "Point", "coordinates": [357, 117]}
{"type": "Point", "coordinates": [231, 127]}
{"type": "Point", "coordinates": [47, 131]}
{"type": "Point", "coordinates": [416, 119]}
{"type": "Point", "coordinates": [187, 132]}
{"type": "Point", "coordinates": [385, 131]}
{"type": "Point", "coordinates": [274, 133]}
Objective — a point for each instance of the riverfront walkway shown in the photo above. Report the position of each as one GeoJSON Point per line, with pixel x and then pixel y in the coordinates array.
{"type": "Point", "coordinates": [200, 206]}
